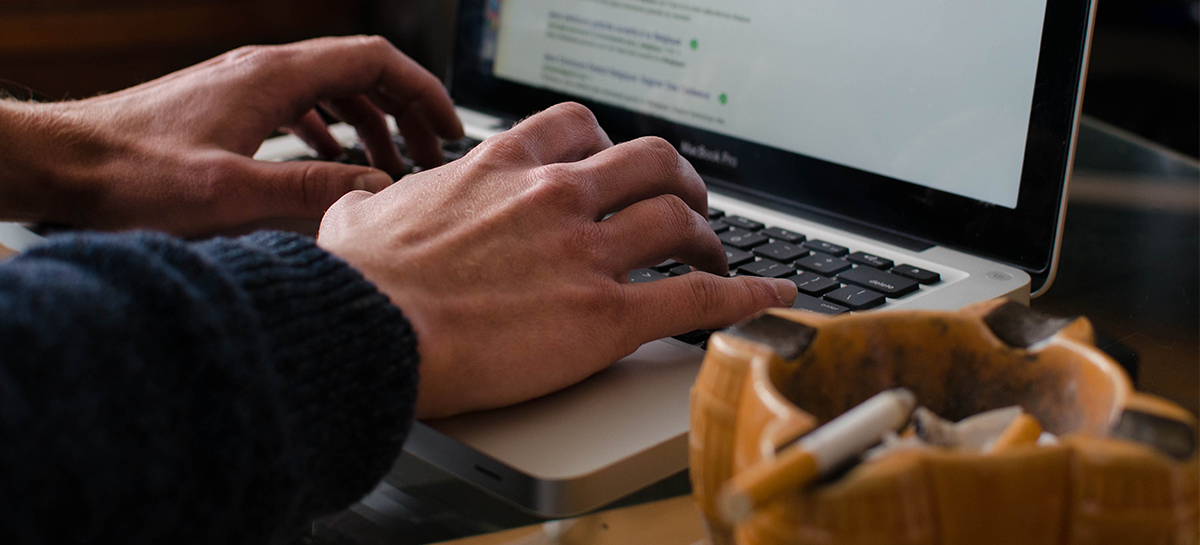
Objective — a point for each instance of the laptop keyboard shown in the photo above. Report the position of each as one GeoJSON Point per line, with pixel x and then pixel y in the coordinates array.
{"type": "Point", "coordinates": [831, 279]}
{"type": "Point", "coordinates": [357, 155]}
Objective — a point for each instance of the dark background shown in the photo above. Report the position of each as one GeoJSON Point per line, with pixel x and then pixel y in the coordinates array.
{"type": "Point", "coordinates": [1144, 75]}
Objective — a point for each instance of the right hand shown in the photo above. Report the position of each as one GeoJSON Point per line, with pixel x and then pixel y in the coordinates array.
{"type": "Point", "coordinates": [513, 274]}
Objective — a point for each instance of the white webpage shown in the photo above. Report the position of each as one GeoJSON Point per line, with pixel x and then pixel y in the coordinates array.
{"type": "Point", "coordinates": [933, 92]}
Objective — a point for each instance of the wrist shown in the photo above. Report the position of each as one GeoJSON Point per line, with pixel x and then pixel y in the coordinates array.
{"type": "Point", "coordinates": [345, 357]}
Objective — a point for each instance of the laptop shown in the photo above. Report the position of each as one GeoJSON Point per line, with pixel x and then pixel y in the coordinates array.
{"type": "Point", "coordinates": [883, 155]}
{"type": "Point", "coordinates": [928, 137]}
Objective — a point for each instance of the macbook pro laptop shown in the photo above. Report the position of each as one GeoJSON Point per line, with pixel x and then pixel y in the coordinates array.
{"type": "Point", "coordinates": [927, 141]}
{"type": "Point", "coordinates": [883, 155]}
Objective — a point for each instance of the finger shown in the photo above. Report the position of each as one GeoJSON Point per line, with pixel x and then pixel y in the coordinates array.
{"type": "Point", "coordinates": [422, 142]}
{"type": "Point", "coordinates": [563, 133]}
{"type": "Point", "coordinates": [372, 128]}
{"type": "Point", "coordinates": [312, 130]}
{"type": "Point", "coordinates": [701, 301]}
{"type": "Point", "coordinates": [306, 189]}
{"type": "Point", "coordinates": [331, 68]}
{"type": "Point", "coordinates": [653, 230]}
{"type": "Point", "coordinates": [640, 169]}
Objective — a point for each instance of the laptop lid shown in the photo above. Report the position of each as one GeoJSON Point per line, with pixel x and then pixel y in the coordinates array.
{"type": "Point", "coordinates": [936, 122]}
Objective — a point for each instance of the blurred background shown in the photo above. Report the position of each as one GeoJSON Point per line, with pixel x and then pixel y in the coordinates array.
{"type": "Point", "coordinates": [1144, 76]}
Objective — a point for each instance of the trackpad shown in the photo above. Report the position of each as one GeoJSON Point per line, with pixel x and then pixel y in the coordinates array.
{"type": "Point", "coordinates": [635, 404]}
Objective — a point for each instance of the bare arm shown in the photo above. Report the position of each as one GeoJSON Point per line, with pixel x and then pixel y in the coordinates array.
{"type": "Point", "coordinates": [174, 153]}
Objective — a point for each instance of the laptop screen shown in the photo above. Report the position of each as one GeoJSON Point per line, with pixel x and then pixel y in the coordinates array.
{"type": "Point", "coordinates": [932, 92]}
{"type": "Point", "coordinates": [946, 121]}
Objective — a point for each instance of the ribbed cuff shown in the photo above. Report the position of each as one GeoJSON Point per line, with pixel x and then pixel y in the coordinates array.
{"type": "Point", "coordinates": [346, 358]}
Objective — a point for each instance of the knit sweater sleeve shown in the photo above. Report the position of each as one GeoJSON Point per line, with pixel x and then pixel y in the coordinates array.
{"type": "Point", "coordinates": [156, 391]}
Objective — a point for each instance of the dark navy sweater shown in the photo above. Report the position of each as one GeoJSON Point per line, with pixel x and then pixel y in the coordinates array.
{"type": "Point", "coordinates": [157, 391]}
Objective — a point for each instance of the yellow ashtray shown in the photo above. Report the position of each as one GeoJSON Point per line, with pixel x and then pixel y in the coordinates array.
{"type": "Point", "coordinates": [1123, 470]}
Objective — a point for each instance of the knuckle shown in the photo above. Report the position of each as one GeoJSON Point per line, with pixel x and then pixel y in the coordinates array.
{"type": "Point", "coordinates": [313, 190]}
{"type": "Point", "coordinates": [340, 210]}
{"type": "Point", "coordinates": [659, 153]}
{"type": "Point", "coordinates": [251, 55]}
{"type": "Point", "coordinates": [759, 291]}
{"type": "Point", "coordinates": [504, 149]}
{"type": "Point", "coordinates": [346, 204]}
{"type": "Point", "coordinates": [675, 215]}
{"type": "Point", "coordinates": [707, 293]}
{"type": "Point", "coordinates": [578, 113]}
{"type": "Point", "coordinates": [557, 184]}
{"type": "Point", "coordinates": [373, 42]}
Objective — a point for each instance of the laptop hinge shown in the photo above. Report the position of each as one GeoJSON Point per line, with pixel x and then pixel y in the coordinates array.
{"type": "Point", "coordinates": [837, 222]}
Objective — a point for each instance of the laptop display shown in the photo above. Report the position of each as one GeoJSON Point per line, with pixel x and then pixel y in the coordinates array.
{"type": "Point", "coordinates": [946, 122]}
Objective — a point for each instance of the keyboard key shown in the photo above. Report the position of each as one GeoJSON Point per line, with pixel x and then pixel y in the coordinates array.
{"type": "Point", "coordinates": [713, 213]}
{"type": "Point", "coordinates": [400, 143]}
{"type": "Point", "coordinates": [645, 275]}
{"type": "Point", "coordinates": [458, 148]}
{"type": "Point", "coordinates": [812, 304]}
{"type": "Point", "coordinates": [855, 297]}
{"type": "Point", "coordinates": [745, 223]}
{"type": "Point", "coordinates": [778, 233]}
{"type": "Point", "coordinates": [870, 260]}
{"type": "Point", "coordinates": [823, 264]}
{"type": "Point", "coordinates": [767, 268]}
{"type": "Point", "coordinates": [743, 240]}
{"type": "Point", "coordinates": [886, 283]}
{"type": "Point", "coordinates": [920, 275]}
{"type": "Point", "coordinates": [737, 257]}
{"type": "Point", "coordinates": [781, 251]}
{"type": "Point", "coordinates": [680, 269]}
{"type": "Point", "coordinates": [665, 265]}
{"type": "Point", "coordinates": [827, 247]}
{"type": "Point", "coordinates": [695, 337]}
{"type": "Point", "coordinates": [355, 155]}
{"type": "Point", "coordinates": [718, 225]}
{"type": "Point", "coordinates": [813, 284]}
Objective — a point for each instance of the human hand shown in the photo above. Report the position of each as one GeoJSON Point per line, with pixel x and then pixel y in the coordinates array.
{"type": "Point", "coordinates": [514, 275]}
{"type": "Point", "coordinates": [175, 153]}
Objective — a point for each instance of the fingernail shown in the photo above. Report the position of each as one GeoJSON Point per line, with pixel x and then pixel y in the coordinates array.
{"type": "Point", "coordinates": [786, 290]}
{"type": "Point", "coordinates": [373, 181]}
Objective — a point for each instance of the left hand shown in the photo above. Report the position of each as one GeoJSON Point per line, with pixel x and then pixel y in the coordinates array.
{"type": "Point", "coordinates": [175, 153]}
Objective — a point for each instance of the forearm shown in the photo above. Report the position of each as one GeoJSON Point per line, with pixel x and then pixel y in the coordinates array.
{"type": "Point", "coordinates": [192, 393]}
{"type": "Point", "coordinates": [51, 158]}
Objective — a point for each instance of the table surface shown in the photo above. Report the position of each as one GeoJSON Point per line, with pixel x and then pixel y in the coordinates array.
{"type": "Point", "coordinates": [1130, 262]}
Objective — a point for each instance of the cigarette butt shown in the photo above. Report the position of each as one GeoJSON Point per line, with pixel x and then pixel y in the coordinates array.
{"type": "Point", "coordinates": [749, 489]}
{"type": "Point", "coordinates": [1023, 430]}
{"type": "Point", "coordinates": [823, 449]}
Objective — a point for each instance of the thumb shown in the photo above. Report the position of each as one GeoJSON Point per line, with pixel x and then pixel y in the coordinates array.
{"type": "Point", "coordinates": [306, 189]}
{"type": "Point", "coordinates": [699, 300]}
